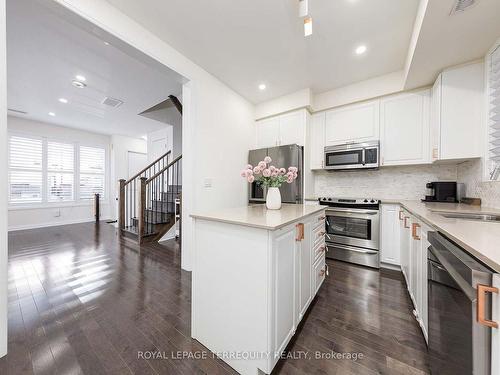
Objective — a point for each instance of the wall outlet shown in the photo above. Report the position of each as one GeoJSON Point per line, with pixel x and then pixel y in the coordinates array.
{"type": "Point", "coordinates": [207, 183]}
{"type": "Point", "coordinates": [57, 213]}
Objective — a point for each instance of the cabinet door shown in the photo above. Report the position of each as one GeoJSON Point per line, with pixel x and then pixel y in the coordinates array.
{"type": "Point", "coordinates": [462, 103]}
{"type": "Point", "coordinates": [268, 132]}
{"type": "Point", "coordinates": [414, 268]}
{"type": "Point", "coordinates": [405, 246]}
{"type": "Point", "coordinates": [404, 129]}
{"type": "Point", "coordinates": [435, 119]}
{"type": "Point", "coordinates": [284, 288]}
{"type": "Point", "coordinates": [353, 123]}
{"type": "Point", "coordinates": [305, 255]}
{"type": "Point", "coordinates": [317, 134]}
{"type": "Point", "coordinates": [292, 128]}
{"type": "Point", "coordinates": [495, 332]}
{"type": "Point", "coordinates": [390, 243]}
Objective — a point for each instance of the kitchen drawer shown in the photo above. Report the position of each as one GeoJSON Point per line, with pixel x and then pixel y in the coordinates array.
{"type": "Point", "coordinates": [318, 235]}
{"type": "Point", "coordinates": [320, 271]}
{"type": "Point", "coordinates": [319, 250]}
{"type": "Point", "coordinates": [318, 220]}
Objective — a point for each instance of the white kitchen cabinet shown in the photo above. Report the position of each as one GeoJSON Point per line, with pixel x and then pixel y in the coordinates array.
{"type": "Point", "coordinates": [424, 304]}
{"type": "Point", "coordinates": [456, 113]}
{"type": "Point", "coordinates": [389, 234]}
{"type": "Point", "coordinates": [284, 291]}
{"type": "Point", "coordinates": [285, 129]}
{"type": "Point", "coordinates": [405, 235]}
{"type": "Point", "coordinates": [255, 285]}
{"type": "Point", "coordinates": [404, 128]}
{"type": "Point", "coordinates": [268, 132]}
{"type": "Point", "coordinates": [317, 140]}
{"type": "Point", "coordinates": [353, 123]}
{"type": "Point", "coordinates": [305, 256]}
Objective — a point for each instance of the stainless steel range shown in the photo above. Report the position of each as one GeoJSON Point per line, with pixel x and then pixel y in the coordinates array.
{"type": "Point", "coordinates": [352, 230]}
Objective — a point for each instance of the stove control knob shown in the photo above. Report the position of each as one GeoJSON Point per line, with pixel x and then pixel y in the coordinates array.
{"type": "Point", "coordinates": [329, 199]}
{"type": "Point", "coordinates": [372, 201]}
{"type": "Point", "coordinates": [366, 201]}
{"type": "Point", "coordinates": [324, 199]}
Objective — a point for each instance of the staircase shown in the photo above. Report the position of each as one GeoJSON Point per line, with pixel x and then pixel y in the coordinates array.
{"type": "Point", "coordinates": [150, 202]}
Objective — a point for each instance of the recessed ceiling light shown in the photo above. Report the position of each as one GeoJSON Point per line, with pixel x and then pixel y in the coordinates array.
{"type": "Point", "coordinates": [262, 86]}
{"type": "Point", "coordinates": [308, 26]}
{"type": "Point", "coordinates": [360, 50]}
{"type": "Point", "coordinates": [106, 43]}
{"type": "Point", "coordinates": [80, 78]}
{"type": "Point", "coordinates": [52, 114]}
{"type": "Point", "coordinates": [63, 100]}
{"type": "Point", "coordinates": [78, 84]}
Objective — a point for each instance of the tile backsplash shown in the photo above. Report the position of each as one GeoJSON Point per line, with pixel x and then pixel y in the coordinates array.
{"type": "Point", "coordinates": [407, 182]}
{"type": "Point", "coordinates": [470, 173]}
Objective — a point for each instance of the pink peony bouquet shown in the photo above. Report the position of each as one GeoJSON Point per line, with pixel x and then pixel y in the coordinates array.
{"type": "Point", "coordinates": [269, 175]}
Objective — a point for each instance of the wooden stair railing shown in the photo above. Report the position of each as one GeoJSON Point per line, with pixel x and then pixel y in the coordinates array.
{"type": "Point", "coordinates": [156, 203]}
{"type": "Point", "coordinates": [127, 201]}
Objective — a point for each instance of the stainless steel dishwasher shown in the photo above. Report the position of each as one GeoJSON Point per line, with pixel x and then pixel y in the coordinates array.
{"type": "Point", "coordinates": [459, 342]}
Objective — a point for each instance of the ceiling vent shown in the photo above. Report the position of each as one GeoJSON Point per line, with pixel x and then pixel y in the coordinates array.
{"type": "Point", "coordinates": [461, 5]}
{"type": "Point", "coordinates": [17, 111]}
{"type": "Point", "coordinates": [112, 102]}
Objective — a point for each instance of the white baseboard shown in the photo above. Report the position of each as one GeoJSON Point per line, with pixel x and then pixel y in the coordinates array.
{"type": "Point", "coordinates": [389, 266]}
{"type": "Point", "coordinates": [53, 224]}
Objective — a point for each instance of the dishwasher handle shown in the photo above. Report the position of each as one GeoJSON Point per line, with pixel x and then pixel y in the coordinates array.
{"type": "Point", "coordinates": [481, 305]}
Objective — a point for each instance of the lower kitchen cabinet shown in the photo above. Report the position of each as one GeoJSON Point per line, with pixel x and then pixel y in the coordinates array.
{"type": "Point", "coordinates": [251, 291]}
{"type": "Point", "coordinates": [495, 332]}
{"type": "Point", "coordinates": [389, 234]}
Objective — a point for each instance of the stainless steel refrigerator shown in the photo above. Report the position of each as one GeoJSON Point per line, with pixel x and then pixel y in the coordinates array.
{"type": "Point", "coordinates": [283, 157]}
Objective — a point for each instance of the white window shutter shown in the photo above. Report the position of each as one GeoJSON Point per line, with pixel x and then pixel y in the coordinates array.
{"type": "Point", "coordinates": [60, 171]}
{"type": "Point", "coordinates": [92, 172]}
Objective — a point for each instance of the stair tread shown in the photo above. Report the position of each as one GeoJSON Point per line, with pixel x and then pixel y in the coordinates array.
{"type": "Point", "coordinates": [133, 230]}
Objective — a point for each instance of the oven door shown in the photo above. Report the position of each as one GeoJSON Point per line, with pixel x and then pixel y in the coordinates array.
{"type": "Point", "coordinates": [344, 159]}
{"type": "Point", "coordinates": [353, 227]}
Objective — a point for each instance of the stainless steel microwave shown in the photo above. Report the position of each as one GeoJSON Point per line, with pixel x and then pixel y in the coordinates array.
{"type": "Point", "coordinates": [352, 156]}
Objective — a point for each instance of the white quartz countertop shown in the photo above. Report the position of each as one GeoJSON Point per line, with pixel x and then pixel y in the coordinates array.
{"type": "Point", "coordinates": [258, 216]}
{"type": "Point", "coordinates": [481, 239]}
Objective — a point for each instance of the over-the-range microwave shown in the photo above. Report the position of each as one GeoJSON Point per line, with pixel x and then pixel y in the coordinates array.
{"type": "Point", "coordinates": [352, 156]}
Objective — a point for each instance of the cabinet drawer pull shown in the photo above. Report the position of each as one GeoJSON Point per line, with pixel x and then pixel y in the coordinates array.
{"type": "Point", "coordinates": [401, 215]}
{"type": "Point", "coordinates": [406, 218]}
{"type": "Point", "coordinates": [324, 271]}
{"type": "Point", "coordinates": [481, 300]}
{"type": "Point", "coordinates": [321, 218]}
{"type": "Point", "coordinates": [414, 231]}
{"type": "Point", "coordinates": [322, 233]}
{"type": "Point", "coordinates": [322, 249]}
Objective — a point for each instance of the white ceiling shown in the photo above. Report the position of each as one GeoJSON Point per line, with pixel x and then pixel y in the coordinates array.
{"type": "Point", "coordinates": [46, 49]}
{"type": "Point", "coordinates": [244, 43]}
{"type": "Point", "coordinates": [445, 40]}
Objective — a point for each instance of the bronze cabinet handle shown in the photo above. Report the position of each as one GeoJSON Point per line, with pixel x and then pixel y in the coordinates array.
{"type": "Point", "coordinates": [324, 271]}
{"type": "Point", "coordinates": [401, 215]}
{"type": "Point", "coordinates": [481, 301]}
{"type": "Point", "coordinates": [321, 234]}
{"type": "Point", "coordinates": [321, 218]}
{"type": "Point", "coordinates": [300, 232]}
{"type": "Point", "coordinates": [406, 218]}
{"type": "Point", "coordinates": [414, 231]}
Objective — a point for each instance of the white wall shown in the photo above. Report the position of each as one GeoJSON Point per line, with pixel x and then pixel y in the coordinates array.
{"type": "Point", "coordinates": [217, 123]}
{"type": "Point", "coordinates": [296, 100]}
{"type": "Point", "coordinates": [59, 213]}
{"type": "Point", "coordinates": [120, 147]}
{"type": "Point", "coordinates": [3, 186]}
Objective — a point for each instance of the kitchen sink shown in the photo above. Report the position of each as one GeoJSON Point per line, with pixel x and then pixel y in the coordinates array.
{"type": "Point", "coordinates": [468, 216]}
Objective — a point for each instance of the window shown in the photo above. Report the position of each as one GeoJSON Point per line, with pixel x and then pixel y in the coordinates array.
{"type": "Point", "coordinates": [60, 171]}
{"type": "Point", "coordinates": [25, 170]}
{"type": "Point", "coordinates": [43, 171]}
{"type": "Point", "coordinates": [493, 156]}
{"type": "Point", "coordinates": [92, 171]}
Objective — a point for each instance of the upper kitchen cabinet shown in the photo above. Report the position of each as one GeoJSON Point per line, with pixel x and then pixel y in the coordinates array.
{"type": "Point", "coordinates": [286, 129]}
{"type": "Point", "coordinates": [456, 107]}
{"type": "Point", "coordinates": [317, 140]}
{"type": "Point", "coordinates": [404, 128]}
{"type": "Point", "coordinates": [353, 123]}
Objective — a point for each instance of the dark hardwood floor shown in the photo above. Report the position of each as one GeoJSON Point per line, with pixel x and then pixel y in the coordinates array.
{"type": "Point", "coordinates": [82, 301]}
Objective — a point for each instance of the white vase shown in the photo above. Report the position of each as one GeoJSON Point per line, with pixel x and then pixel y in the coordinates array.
{"type": "Point", "coordinates": [273, 199]}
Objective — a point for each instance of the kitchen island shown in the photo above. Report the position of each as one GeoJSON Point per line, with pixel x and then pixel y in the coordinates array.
{"type": "Point", "coordinates": [255, 273]}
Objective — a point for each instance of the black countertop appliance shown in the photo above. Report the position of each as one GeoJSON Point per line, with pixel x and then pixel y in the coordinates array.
{"type": "Point", "coordinates": [441, 191]}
